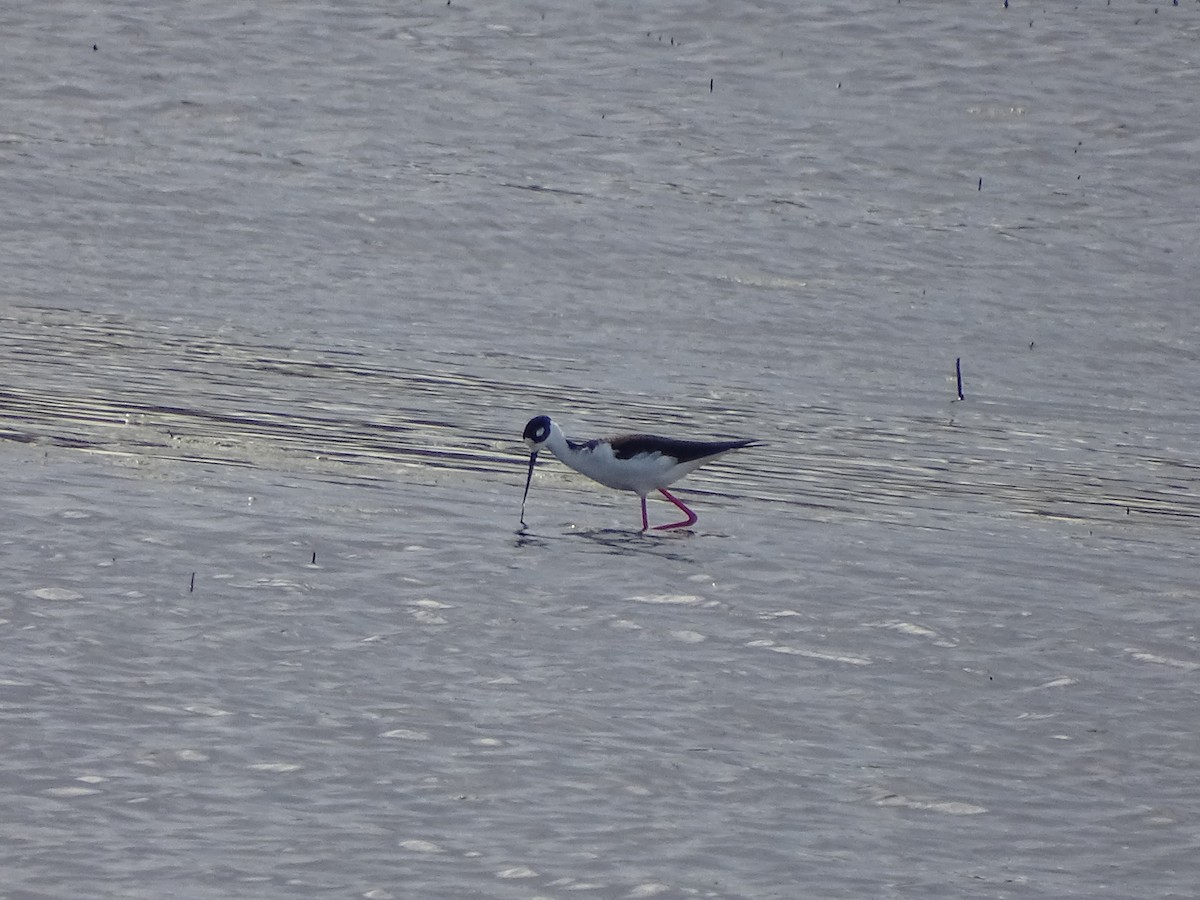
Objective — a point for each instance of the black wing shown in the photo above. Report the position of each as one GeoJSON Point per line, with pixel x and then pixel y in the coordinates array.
{"type": "Point", "coordinates": [630, 445]}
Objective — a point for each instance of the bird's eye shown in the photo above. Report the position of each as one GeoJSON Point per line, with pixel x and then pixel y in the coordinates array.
{"type": "Point", "coordinates": [542, 433]}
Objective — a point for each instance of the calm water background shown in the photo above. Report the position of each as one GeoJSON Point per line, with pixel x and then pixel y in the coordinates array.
{"type": "Point", "coordinates": [282, 284]}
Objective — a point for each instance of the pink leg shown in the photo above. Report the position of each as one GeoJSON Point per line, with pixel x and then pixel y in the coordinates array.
{"type": "Point", "coordinates": [645, 521]}
{"type": "Point", "coordinates": [691, 516]}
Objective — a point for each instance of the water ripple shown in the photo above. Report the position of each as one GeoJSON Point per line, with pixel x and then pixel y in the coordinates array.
{"type": "Point", "coordinates": [151, 391]}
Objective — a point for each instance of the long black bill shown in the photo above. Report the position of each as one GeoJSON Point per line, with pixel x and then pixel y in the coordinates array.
{"type": "Point", "coordinates": [528, 479]}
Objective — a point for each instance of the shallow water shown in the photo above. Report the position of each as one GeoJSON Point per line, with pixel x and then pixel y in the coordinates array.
{"type": "Point", "coordinates": [283, 287]}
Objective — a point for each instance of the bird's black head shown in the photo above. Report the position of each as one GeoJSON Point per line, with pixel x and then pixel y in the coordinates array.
{"type": "Point", "coordinates": [537, 431]}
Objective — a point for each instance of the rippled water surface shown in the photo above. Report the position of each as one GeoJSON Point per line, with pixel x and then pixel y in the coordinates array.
{"type": "Point", "coordinates": [281, 287]}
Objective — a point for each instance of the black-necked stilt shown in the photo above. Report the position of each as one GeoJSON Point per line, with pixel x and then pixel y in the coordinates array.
{"type": "Point", "coordinates": [633, 462]}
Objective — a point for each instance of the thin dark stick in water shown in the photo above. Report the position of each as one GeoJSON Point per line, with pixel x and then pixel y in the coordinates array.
{"type": "Point", "coordinates": [192, 586]}
{"type": "Point", "coordinates": [958, 375]}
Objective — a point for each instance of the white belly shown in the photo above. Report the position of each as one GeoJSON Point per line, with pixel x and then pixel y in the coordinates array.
{"type": "Point", "coordinates": [641, 474]}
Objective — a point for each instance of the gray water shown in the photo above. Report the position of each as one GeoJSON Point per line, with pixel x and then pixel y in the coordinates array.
{"type": "Point", "coordinates": [282, 284]}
